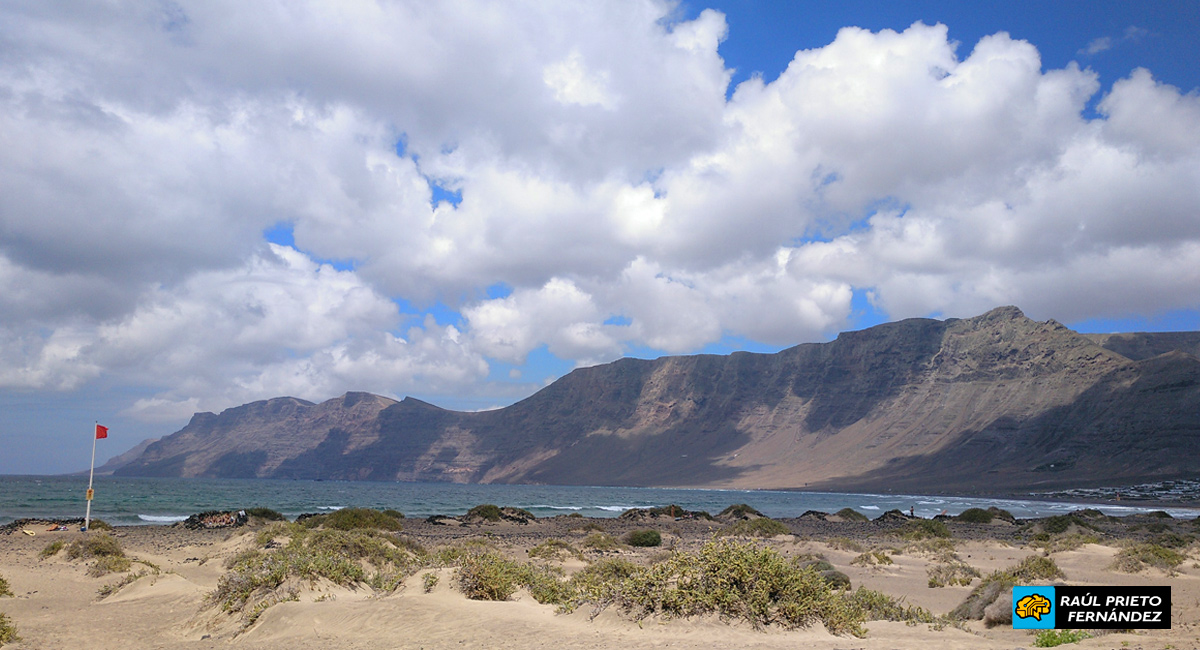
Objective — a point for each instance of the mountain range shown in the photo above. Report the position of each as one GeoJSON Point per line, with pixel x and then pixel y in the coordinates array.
{"type": "Point", "coordinates": [991, 404]}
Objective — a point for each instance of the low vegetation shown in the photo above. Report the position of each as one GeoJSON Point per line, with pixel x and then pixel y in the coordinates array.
{"type": "Point", "coordinates": [1033, 569]}
{"type": "Point", "coordinates": [52, 549]}
{"type": "Point", "coordinates": [736, 581]}
{"type": "Point", "coordinates": [1062, 523]}
{"type": "Point", "coordinates": [601, 541]}
{"type": "Point", "coordinates": [1140, 556]}
{"type": "Point", "coordinates": [926, 529]}
{"type": "Point", "coordinates": [287, 556]}
{"type": "Point", "coordinates": [952, 573]}
{"type": "Point", "coordinates": [103, 549]}
{"type": "Point", "coordinates": [8, 633]}
{"type": "Point", "coordinates": [850, 514]}
{"type": "Point", "coordinates": [739, 511]}
{"type": "Point", "coordinates": [644, 538]}
{"type": "Point", "coordinates": [762, 527]}
{"type": "Point", "coordinates": [486, 511]}
{"type": "Point", "coordinates": [872, 559]}
{"type": "Point", "coordinates": [1065, 542]}
{"type": "Point", "coordinates": [554, 550]}
{"type": "Point", "coordinates": [982, 516]}
{"type": "Point", "coordinates": [356, 519]}
{"type": "Point", "coordinates": [5, 590]}
{"type": "Point", "coordinates": [265, 514]}
{"type": "Point", "coordinates": [429, 581]}
{"type": "Point", "coordinates": [1053, 638]}
{"type": "Point", "coordinates": [844, 544]}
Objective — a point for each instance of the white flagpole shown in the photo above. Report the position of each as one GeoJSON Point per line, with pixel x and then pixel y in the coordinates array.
{"type": "Point", "coordinates": [87, 518]}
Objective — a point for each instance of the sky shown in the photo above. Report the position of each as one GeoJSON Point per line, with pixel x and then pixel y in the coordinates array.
{"type": "Point", "coordinates": [204, 204]}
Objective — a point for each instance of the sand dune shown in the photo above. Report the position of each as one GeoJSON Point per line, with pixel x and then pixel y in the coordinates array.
{"type": "Point", "coordinates": [56, 603]}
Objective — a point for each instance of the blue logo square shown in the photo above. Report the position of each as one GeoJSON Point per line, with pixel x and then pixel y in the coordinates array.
{"type": "Point", "coordinates": [1033, 608]}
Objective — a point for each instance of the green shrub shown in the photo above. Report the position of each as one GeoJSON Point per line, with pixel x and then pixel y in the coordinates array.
{"type": "Point", "coordinates": [429, 581]}
{"type": "Point", "coordinates": [52, 549]}
{"type": "Point", "coordinates": [104, 549]}
{"type": "Point", "coordinates": [933, 546]}
{"type": "Point", "coordinates": [926, 529]}
{"type": "Point", "coordinates": [644, 538]}
{"type": "Point", "coordinates": [739, 511]}
{"type": "Point", "coordinates": [844, 544]}
{"type": "Point", "coordinates": [951, 573]}
{"type": "Point", "coordinates": [1173, 540]}
{"type": "Point", "coordinates": [355, 519]}
{"type": "Point", "coordinates": [877, 606]}
{"type": "Point", "coordinates": [110, 589]}
{"type": "Point", "coordinates": [1138, 557]}
{"type": "Point", "coordinates": [1068, 542]}
{"type": "Point", "coordinates": [107, 564]}
{"type": "Point", "coordinates": [1052, 638]}
{"type": "Point", "coordinates": [872, 558]}
{"type": "Point", "coordinates": [554, 549]}
{"type": "Point", "coordinates": [486, 511]}
{"type": "Point", "coordinates": [850, 514]}
{"type": "Point", "coordinates": [259, 578]}
{"type": "Point", "coordinates": [99, 524]}
{"type": "Point", "coordinates": [1155, 527]}
{"type": "Point", "coordinates": [488, 576]}
{"type": "Point", "coordinates": [393, 513]}
{"type": "Point", "coordinates": [5, 590]}
{"type": "Point", "coordinates": [755, 528]}
{"type": "Point", "coordinates": [94, 546]}
{"type": "Point", "coordinates": [1035, 568]}
{"type": "Point", "coordinates": [1159, 514]}
{"type": "Point", "coordinates": [8, 633]}
{"type": "Point", "coordinates": [1060, 523]}
{"type": "Point", "coordinates": [976, 516]}
{"type": "Point", "coordinates": [264, 513]}
{"type": "Point", "coordinates": [739, 581]}
{"type": "Point", "coordinates": [601, 542]}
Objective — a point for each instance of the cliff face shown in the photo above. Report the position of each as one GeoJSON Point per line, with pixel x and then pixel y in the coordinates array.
{"type": "Point", "coordinates": [990, 403]}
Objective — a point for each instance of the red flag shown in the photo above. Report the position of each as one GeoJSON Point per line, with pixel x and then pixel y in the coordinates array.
{"type": "Point", "coordinates": [101, 431]}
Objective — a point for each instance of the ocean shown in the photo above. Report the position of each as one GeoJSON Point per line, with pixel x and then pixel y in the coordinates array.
{"type": "Point", "coordinates": [150, 501]}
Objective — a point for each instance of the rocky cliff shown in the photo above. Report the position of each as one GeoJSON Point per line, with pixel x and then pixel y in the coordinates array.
{"type": "Point", "coordinates": [992, 403]}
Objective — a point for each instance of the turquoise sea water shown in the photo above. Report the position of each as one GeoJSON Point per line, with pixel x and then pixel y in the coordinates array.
{"type": "Point", "coordinates": [133, 501]}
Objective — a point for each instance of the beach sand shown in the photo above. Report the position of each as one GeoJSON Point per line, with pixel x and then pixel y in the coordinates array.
{"type": "Point", "coordinates": [55, 603]}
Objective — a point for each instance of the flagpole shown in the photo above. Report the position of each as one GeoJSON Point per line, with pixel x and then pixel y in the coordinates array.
{"type": "Point", "coordinates": [87, 518]}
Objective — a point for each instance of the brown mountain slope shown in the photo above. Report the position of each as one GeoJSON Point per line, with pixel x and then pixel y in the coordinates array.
{"type": "Point", "coordinates": [992, 403]}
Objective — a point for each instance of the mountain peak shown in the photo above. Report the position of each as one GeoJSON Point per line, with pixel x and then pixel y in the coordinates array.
{"type": "Point", "coordinates": [966, 405]}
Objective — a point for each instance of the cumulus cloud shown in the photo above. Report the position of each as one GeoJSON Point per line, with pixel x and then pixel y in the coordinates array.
{"type": "Point", "coordinates": [604, 175]}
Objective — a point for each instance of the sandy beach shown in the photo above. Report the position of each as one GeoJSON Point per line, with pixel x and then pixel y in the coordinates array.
{"type": "Point", "coordinates": [57, 603]}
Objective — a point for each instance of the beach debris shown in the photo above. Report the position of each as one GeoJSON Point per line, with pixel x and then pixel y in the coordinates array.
{"type": "Point", "coordinates": [216, 519]}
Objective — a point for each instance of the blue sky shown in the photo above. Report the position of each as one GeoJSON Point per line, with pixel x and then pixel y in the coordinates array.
{"type": "Point", "coordinates": [213, 203]}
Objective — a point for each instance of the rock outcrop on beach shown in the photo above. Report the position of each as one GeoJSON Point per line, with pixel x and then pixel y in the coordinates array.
{"type": "Point", "coordinates": [986, 404]}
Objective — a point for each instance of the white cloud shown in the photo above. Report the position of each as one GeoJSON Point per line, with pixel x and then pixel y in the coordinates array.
{"type": "Point", "coordinates": [604, 177]}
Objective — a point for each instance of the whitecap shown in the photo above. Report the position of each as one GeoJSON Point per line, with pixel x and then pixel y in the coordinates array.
{"type": "Point", "coordinates": [330, 507]}
{"type": "Point", "coordinates": [614, 508]}
{"type": "Point", "coordinates": [869, 507]}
